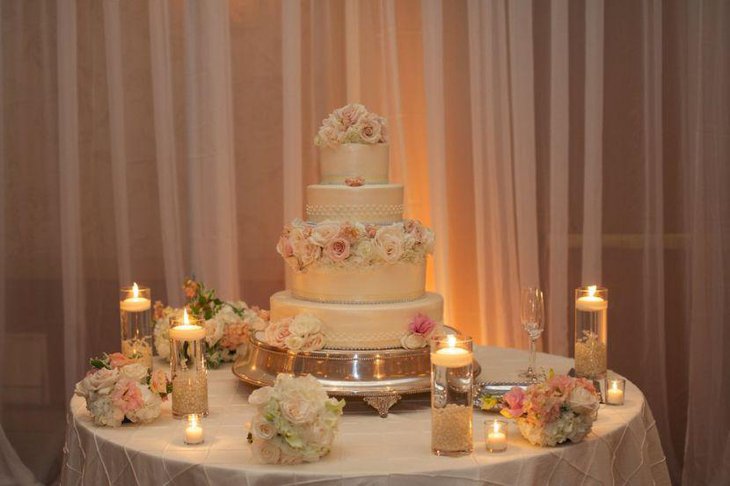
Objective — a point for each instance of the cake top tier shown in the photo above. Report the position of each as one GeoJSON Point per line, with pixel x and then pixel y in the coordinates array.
{"type": "Point", "coordinates": [353, 147]}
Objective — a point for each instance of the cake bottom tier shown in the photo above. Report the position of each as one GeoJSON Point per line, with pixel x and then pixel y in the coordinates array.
{"type": "Point", "coordinates": [360, 326]}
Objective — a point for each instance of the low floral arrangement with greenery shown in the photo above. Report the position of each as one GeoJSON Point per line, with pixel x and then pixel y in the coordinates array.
{"type": "Point", "coordinates": [353, 244]}
{"type": "Point", "coordinates": [295, 421]}
{"type": "Point", "coordinates": [227, 324]}
{"type": "Point", "coordinates": [118, 389]}
{"type": "Point", "coordinates": [559, 409]}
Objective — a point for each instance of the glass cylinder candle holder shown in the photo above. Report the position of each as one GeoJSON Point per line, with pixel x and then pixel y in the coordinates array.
{"type": "Point", "coordinates": [135, 315]}
{"type": "Point", "coordinates": [187, 368]}
{"type": "Point", "coordinates": [591, 333]}
{"type": "Point", "coordinates": [193, 430]}
{"type": "Point", "coordinates": [495, 435]}
{"type": "Point", "coordinates": [452, 381]}
{"type": "Point", "coordinates": [615, 391]}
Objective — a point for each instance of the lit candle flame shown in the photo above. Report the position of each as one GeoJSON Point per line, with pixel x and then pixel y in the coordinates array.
{"type": "Point", "coordinates": [193, 420]}
{"type": "Point", "coordinates": [614, 385]}
{"type": "Point", "coordinates": [496, 427]}
{"type": "Point", "coordinates": [135, 290]}
{"type": "Point", "coordinates": [592, 290]}
{"type": "Point", "coordinates": [186, 321]}
{"type": "Point", "coordinates": [451, 340]}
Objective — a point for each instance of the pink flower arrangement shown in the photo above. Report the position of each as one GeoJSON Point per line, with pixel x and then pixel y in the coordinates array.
{"type": "Point", "coordinates": [549, 413]}
{"type": "Point", "coordinates": [352, 123]}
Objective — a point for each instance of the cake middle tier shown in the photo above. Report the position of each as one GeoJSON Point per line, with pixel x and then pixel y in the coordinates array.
{"type": "Point", "coordinates": [394, 282]}
{"type": "Point", "coordinates": [362, 326]}
{"type": "Point", "coordinates": [377, 203]}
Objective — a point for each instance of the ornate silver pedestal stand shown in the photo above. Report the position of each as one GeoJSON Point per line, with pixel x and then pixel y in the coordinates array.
{"type": "Point", "coordinates": [380, 377]}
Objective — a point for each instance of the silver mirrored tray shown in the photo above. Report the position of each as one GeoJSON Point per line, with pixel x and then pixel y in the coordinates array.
{"type": "Point", "coordinates": [380, 377]}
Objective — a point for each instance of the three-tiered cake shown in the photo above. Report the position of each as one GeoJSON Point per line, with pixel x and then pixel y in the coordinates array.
{"type": "Point", "coordinates": [356, 269]}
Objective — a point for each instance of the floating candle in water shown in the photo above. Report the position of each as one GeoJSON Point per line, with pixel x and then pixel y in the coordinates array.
{"type": "Point", "coordinates": [135, 303]}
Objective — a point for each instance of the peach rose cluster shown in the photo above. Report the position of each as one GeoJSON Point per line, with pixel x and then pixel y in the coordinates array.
{"type": "Point", "coordinates": [118, 389]}
{"type": "Point", "coordinates": [347, 243]}
{"type": "Point", "coordinates": [352, 123]}
{"type": "Point", "coordinates": [550, 413]}
{"type": "Point", "coordinates": [295, 421]}
{"type": "Point", "coordinates": [301, 333]}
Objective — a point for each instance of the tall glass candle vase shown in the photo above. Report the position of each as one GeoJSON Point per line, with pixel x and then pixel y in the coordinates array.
{"type": "Point", "coordinates": [135, 315]}
{"type": "Point", "coordinates": [452, 381]}
{"type": "Point", "coordinates": [591, 332]}
{"type": "Point", "coordinates": [187, 368]}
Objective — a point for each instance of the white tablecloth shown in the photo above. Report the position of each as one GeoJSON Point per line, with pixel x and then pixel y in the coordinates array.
{"type": "Point", "coordinates": [623, 447]}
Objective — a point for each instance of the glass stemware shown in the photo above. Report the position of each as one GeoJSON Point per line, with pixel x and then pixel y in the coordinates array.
{"type": "Point", "coordinates": [532, 317]}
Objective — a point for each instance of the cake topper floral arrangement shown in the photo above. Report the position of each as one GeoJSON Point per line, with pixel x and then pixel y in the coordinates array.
{"type": "Point", "coordinates": [227, 324]}
{"type": "Point", "coordinates": [352, 123]}
{"type": "Point", "coordinates": [119, 389]}
{"type": "Point", "coordinates": [344, 244]}
{"type": "Point", "coordinates": [295, 421]}
{"type": "Point", "coordinates": [549, 413]}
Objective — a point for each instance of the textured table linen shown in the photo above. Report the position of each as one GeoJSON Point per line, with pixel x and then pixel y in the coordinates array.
{"type": "Point", "coordinates": [623, 447]}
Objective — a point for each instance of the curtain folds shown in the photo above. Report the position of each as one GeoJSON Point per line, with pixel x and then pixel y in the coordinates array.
{"type": "Point", "coordinates": [547, 143]}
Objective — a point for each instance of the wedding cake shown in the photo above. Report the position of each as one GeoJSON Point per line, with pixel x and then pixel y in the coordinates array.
{"type": "Point", "coordinates": [355, 268]}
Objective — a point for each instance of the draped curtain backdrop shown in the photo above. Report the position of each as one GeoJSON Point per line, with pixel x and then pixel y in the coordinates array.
{"type": "Point", "coordinates": [547, 143]}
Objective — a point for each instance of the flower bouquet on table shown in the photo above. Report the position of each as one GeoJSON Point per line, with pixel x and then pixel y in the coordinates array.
{"type": "Point", "coordinates": [295, 421]}
{"type": "Point", "coordinates": [119, 389]}
{"type": "Point", "coordinates": [227, 324]}
{"type": "Point", "coordinates": [549, 413]}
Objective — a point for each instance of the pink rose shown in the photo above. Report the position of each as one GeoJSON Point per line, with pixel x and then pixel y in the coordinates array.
{"type": "Point", "coordinates": [370, 128]}
{"type": "Point", "coordinates": [190, 287]}
{"type": "Point", "coordinates": [562, 383]}
{"type": "Point", "coordinates": [422, 324]}
{"type": "Point", "coordinates": [515, 400]}
{"type": "Point", "coordinates": [118, 360]}
{"type": "Point", "coordinates": [127, 396]}
{"type": "Point", "coordinates": [158, 382]}
{"type": "Point", "coordinates": [338, 249]}
{"type": "Point", "coordinates": [350, 114]}
{"type": "Point", "coordinates": [276, 333]}
{"type": "Point", "coordinates": [284, 247]}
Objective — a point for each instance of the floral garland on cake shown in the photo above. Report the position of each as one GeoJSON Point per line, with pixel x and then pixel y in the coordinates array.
{"type": "Point", "coordinates": [301, 333]}
{"type": "Point", "coordinates": [549, 413]}
{"type": "Point", "coordinates": [352, 123]}
{"type": "Point", "coordinates": [348, 244]}
{"type": "Point", "coordinates": [227, 324]}
{"type": "Point", "coordinates": [119, 389]}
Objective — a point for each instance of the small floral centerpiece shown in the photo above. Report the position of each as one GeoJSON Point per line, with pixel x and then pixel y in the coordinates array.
{"type": "Point", "coordinates": [119, 389]}
{"type": "Point", "coordinates": [352, 123]}
{"type": "Point", "coordinates": [227, 324]}
{"type": "Point", "coordinates": [353, 244]}
{"type": "Point", "coordinates": [295, 421]}
{"type": "Point", "coordinates": [549, 413]}
{"type": "Point", "coordinates": [301, 333]}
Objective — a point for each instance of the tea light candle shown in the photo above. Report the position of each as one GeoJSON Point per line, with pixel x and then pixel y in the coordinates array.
{"type": "Point", "coordinates": [591, 302]}
{"type": "Point", "coordinates": [451, 356]}
{"type": "Point", "coordinates": [194, 431]}
{"type": "Point", "coordinates": [615, 391]}
{"type": "Point", "coordinates": [135, 303]}
{"type": "Point", "coordinates": [496, 435]}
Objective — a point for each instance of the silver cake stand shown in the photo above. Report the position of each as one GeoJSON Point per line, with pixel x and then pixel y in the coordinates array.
{"type": "Point", "coordinates": [380, 377]}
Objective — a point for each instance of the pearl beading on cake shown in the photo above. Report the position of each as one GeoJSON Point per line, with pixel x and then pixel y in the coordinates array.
{"type": "Point", "coordinates": [354, 210]}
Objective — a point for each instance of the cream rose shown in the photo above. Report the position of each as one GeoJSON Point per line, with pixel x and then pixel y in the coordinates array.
{"type": "Point", "coordinates": [260, 396]}
{"type": "Point", "coordinates": [338, 249]}
{"type": "Point", "coordinates": [324, 232]}
{"type": "Point", "coordinates": [582, 401]}
{"type": "Point", "coordinates": [298, 410]}
{"type": "Point", "coordinates": [305, 324]}
{"type": "Point", "coordinates": [313, 343]}
{"type": "Point", "coordinates": [351, 114]}
{"type": "Point", "coordinates": [262, 429]}
{"type": "Point", "coordinates": [134, 372]}
{"type": "Point", "coordinates": [276, 332]}
{"type": "Point", "coordinates": [370, 128]}
{"type": "Point", "coordinates": [388, 242]}
{"type": "Point", "coordinates": [266, 451]}
{"type": "Point", "coordinates": [293, 342]}
{"type": "Point", "coordinates": [101, 382]}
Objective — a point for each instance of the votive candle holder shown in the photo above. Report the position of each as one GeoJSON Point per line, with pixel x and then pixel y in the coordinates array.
{"type": "Point", "coordinates": [452, 381]}
{"type": "Point", "coordinates": [496, 435]}
{"type": "Point", "coordinates": [615, 391]}
{"type": "Point", "coordinates": [193, 430]}
{"type": "Point", "coordinates": [187, 368]}
{"type": "Point", "coordinates": [135, 316]}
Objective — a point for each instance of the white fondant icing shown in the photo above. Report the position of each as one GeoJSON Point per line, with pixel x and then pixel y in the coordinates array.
{"type": "Point", "coordinates": [340, 162]}
{"type": "Point", "coordinates": [396, 282]}
{"type": "Point", "coordinates": [379, 203]}
{"type": "Point", "coordinates": [364, 326]}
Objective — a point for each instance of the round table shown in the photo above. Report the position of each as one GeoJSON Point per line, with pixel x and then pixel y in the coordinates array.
{"type": "Point", "coordinates": [623, 448]}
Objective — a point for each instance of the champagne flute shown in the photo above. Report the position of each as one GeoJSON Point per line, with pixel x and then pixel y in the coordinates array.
{"type": "Point", "coordinates": [532, 317]}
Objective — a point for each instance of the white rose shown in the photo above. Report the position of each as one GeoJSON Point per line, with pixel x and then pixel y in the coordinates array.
{"type": "Point", "coordinates": [582, 401]}
{"type": "Point", "coordinates": [298, 410]}
{"type": "Point", "coordinates": [150, 409]}
{"type": "Point", "coordinates": [305, 324]}
{"type": "Point", "coordinates": [99, 382]}
{"type": "Point", "coordinates": [364, 251]}
{"type": "Point", "coordinates": [324, 232]}
{"type": "Point", "coordinates": [213, 331]}
{"type": "Point", "coordinates": [266, 451]}
{"type": "Point", "coordinates": [262, 429]}
{"type": "Point", "coordinates": [369, 128]}
{"type": "Point", "coordinates": [260, 396]}
{"type": "Point", "coordinates": [413, 340]}
{"type": "Point", "coordinates": [293, 342]}
{"type": "Point", "coordinates": [306, 251]}
{"type": "Point", "coordinates": [135, 372]}
{"type": "Point", "coordinates": [388, 242]}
